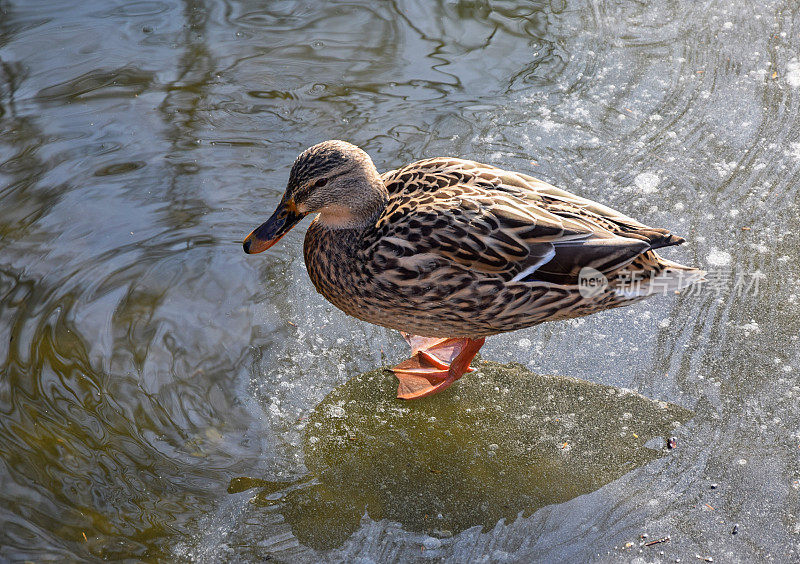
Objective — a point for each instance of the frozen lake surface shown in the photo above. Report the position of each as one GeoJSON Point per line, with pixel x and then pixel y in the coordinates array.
{"type": "Point", "coordinates": [165, 397]}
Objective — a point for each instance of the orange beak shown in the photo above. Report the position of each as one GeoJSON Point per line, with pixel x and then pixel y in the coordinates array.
{"type": "Point", "coordinates": [271, 231]}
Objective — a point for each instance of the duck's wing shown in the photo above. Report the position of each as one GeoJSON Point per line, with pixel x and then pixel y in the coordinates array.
{"type": "Point", "coordinates": [461, 215]}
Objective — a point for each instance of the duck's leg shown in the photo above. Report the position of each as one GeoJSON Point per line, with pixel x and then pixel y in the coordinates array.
{"type": "Point", "coordinates": [434, 365]}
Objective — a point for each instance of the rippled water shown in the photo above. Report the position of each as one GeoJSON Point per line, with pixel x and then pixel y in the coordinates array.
{"type": "Point", "coordinates": [152, 375]}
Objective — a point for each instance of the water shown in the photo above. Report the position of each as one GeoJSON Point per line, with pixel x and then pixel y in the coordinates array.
{"type": "Point", "coordinates": [149, 366]}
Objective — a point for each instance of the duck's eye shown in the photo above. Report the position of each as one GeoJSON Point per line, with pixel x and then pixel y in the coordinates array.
{"type": "Point", "coordinates": [320, 182]}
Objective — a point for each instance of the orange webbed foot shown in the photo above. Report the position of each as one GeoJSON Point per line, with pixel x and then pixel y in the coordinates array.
{"type": "Point", "coordinates": [434, 365]}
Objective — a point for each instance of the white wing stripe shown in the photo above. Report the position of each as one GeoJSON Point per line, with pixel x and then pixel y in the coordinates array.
{"type": "Point", "coordinates": [531, 269]}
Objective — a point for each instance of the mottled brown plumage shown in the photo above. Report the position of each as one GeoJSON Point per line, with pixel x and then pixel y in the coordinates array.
{"type": "Point", "coordinates": [446, 247]}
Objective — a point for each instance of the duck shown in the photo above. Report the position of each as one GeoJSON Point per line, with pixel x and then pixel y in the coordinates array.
{"type": "Point", "coordinates": [449, 251]}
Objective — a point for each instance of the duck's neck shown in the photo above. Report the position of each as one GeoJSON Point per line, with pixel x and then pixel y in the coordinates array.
{"type": "Point", "coordinates": [362, 209]}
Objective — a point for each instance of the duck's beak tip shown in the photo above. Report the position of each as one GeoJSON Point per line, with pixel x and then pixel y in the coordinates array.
{"type": "Point", "coordinates": [254, 244]}
{"type": "Point", "coordinates": [271, 231]}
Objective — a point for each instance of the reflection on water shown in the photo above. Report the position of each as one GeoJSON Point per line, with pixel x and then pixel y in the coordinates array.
{"type": "Point", "coordinates": [506, 442]}
{"type": "Point", "coordinates": [145, 362]}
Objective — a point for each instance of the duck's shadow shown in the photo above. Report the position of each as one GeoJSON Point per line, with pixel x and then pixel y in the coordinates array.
{"type": "Point", "coordinates": [502, 441]}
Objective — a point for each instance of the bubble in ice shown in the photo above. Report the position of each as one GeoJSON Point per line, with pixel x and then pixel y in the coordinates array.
{"type": "Point", "coordinates": [793, 73]}
{"type": "Point", "coordinates": [751, 327]}
{"type": "Point", "coordinates": [718, 258]}
{"type": "Point", "coordinates": [647, 182]}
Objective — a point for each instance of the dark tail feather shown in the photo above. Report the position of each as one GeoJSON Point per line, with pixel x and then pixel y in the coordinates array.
{"type": "Point", "coordinates": [666, 240]}
{"type": "Point", "coordinates": [654, 236]}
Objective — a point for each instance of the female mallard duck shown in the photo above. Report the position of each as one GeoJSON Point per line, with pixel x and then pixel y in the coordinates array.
{"type": "Point", "coordinates": [449, 251]}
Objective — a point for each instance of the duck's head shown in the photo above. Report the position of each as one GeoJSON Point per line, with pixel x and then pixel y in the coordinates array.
{"type": "Point", "coordinates": [335, 179]}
